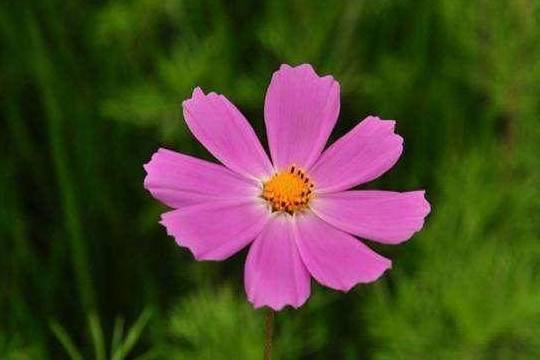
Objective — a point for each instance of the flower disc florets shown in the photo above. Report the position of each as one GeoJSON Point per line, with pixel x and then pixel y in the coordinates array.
{"type": "Point", "coordinates": [289, 191]}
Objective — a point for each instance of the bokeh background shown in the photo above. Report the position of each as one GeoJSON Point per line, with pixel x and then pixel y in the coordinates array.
{"type": "Point", "coordinates": [90, 89]}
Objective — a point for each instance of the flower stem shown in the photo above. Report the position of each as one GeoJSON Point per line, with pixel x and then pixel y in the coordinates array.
{"type": "Point", "coordinates": [268, 334]}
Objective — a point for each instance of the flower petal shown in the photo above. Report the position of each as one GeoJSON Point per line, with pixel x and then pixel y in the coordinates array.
{"type": "Point", "coordinates": [361, 155]}
{"type": "Point", "coordinates": [335, 258]}
{"type": "Point", "coordinates": [383, 216]}
{"type": "Point", "coordinates": [178, 180]}
{"type": "Point", "coordinates": [216, 230]}
{"type": "Point", "coordinates": [300, 111]}
{"type": "Point", "coordinates": [275, 275]}
{"type": "Point", "coordinates": [226, 133]}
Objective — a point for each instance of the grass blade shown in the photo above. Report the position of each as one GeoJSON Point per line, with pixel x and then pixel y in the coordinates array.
{"type": "Point", "coordinates": [97, 336]}
{"type": "Point", "coordinates": [118, 333]}
{"type": "Point", "coordinates": [65, 340]}
{"type": "Point", "coordinates": [133, 335]}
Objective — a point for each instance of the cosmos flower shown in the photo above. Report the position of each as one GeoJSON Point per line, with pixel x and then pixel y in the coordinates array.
{"type": "Point", "coordinates": [296, 212]}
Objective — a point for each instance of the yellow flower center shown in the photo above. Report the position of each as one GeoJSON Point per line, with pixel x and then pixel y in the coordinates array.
{"type": "Point", "coordinates": [288, 190]}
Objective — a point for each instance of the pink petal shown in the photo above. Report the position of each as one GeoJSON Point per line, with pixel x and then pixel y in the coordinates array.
{"type": "Point", "coordinates": [216, 230]}
{"type": "Point", "coordinates": [178, 180]}
{"type": "Point", "coordinates": [383, 216]}
{"type": "Point", "coordinates": [300, 111]}
{"type": "Point", "coordinates": [275, 275]}
{"type": "Point", "coordinates": [226, 133]}
{"type": "Point", "coordinates": [335, 258]}
{"type": "Point", "coordinates": [363, 154]}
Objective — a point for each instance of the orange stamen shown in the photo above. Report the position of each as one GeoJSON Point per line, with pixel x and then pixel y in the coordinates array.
{"type": "Point", "coordinates": [288, 191]}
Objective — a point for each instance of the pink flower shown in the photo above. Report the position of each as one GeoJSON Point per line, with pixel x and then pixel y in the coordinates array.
{"type": "Point", "coordinates": [296, 211]}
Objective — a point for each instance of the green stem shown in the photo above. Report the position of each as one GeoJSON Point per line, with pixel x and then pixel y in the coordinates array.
{"type": "Point", "coordinates": [44, 69]}
{"type": "Point", "coordinates": [268, 334]}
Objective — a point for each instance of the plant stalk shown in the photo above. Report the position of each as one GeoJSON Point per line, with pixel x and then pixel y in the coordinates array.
{"type": "Point", "coordinates": [268, 334]}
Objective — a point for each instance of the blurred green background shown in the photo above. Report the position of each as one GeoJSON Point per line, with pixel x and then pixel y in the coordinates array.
{"type": "Point", "coordinates": [89, 89]}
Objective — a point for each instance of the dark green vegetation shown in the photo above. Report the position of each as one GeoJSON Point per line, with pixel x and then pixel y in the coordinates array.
{"type": "Point", "coordinates": [88, 90]}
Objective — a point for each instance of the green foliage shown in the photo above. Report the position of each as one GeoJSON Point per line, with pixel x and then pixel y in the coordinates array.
{"type": "Point", "coordinates": [120, 346]}
{"type": "Point", "coordinates": [468, 299]}
{"type": "Point", "coordinates": [214, 325]}
{"type": "Point", "coordinates": [220, 324]}
{"type": "Point", "coordinates": [90, 89]}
